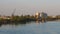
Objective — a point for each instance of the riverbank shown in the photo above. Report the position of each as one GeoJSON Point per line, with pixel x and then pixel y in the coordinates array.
{"type": "Point", "coordinates": [17, 19]}
{"type": "Point", "coordinates": [23, 19]}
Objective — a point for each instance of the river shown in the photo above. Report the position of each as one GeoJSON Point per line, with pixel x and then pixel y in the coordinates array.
{"type": "Point", "coordinates": [50, 27]}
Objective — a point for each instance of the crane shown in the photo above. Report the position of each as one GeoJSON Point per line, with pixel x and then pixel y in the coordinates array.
{"type": "Point", "coordinates": [13, 12]}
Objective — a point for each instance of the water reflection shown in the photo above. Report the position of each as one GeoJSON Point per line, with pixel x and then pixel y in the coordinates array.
{"type": "Point", "coordinates": [38, 22]}
{"type": "Point", "coordinates": [31, 28]}
{"type": "Point", "coordinates": [21, 23]}
{"type": "Point", "coordinates": [12, 23]}
{"type": "Point", "coordinates": [0, 25]}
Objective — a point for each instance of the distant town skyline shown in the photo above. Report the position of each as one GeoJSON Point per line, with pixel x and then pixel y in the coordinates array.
{"type": "Point", "coordinates": [25, 7]}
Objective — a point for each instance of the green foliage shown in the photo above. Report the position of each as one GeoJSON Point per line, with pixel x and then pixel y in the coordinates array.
{"type": "Point", "coordinates": [23, 18]}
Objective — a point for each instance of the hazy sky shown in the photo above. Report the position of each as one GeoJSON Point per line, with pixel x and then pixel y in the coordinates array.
{"type": "Point", "coordinates": [51, 7]}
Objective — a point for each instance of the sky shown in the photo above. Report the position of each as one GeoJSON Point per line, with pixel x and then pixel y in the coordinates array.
{"type": "Point", "coordinates": [25, 7]}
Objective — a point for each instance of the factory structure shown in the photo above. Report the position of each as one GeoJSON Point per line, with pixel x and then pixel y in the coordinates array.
{"type": "Point", "coordinates": [41, 16]}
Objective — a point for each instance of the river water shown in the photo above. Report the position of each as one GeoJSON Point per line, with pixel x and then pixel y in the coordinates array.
{"type": "Point", "coordinates": [50, 27]}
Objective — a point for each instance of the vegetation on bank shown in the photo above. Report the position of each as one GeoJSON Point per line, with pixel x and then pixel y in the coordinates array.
{"type": "Point", "coordinates": [23, 19]}
{"type": "Point", "coordinates": [17, 19]}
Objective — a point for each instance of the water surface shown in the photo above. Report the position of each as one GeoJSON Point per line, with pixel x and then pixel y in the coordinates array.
{"type": "Point", "coordinates": [51, 27]}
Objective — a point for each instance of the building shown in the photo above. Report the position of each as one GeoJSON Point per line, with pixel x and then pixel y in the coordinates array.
{"type": "Point", "coordinates": [43, 15]}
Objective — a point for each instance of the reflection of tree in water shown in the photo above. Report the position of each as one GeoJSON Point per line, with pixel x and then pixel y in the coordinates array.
{"type": "Point", "coordinates": [0, 25]}
{"type": "Point", "coordinates": [12, 23]}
